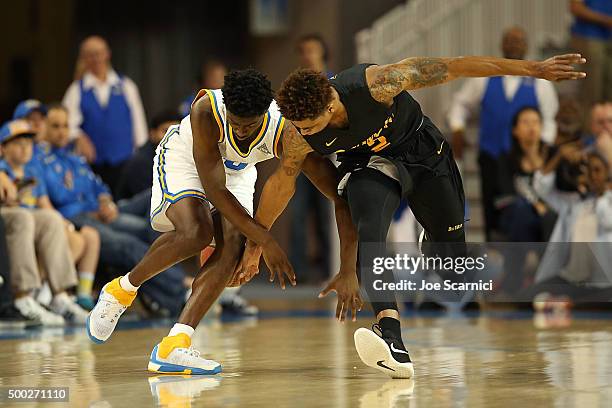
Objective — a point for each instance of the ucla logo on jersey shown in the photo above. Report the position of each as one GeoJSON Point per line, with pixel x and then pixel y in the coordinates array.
{"type": "Point", "coordinates": [232, 165]}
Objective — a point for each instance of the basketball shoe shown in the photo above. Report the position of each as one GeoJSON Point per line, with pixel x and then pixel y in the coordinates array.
{"type": "Point", "coordinates": [383, 352]}
{"type": "Point", "coordinates": [175, 355]}
{"type": "Point", "coordinates": [103, 318]}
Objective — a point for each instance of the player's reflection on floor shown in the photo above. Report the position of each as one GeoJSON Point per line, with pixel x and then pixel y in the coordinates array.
{"type": "Point", "coordinates": [180, 390]}
{"type": "Point", "coordinates": [393, 393]}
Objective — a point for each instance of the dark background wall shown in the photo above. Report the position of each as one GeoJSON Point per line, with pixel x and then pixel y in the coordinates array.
{"type": "Point", "coordinates": [160, 44]}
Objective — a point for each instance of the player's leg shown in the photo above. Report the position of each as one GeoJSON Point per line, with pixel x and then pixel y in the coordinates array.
{"type": "Point", "coordinates": [173, 354]}
{"type": "Point", "coordinates": [193, 230]}
{"type": "Point", "coordinates": [373, 199]}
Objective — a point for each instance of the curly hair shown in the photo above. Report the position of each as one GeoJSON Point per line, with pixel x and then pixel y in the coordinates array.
{"type": "Point", "coordinates": [304, 95]}
{"type": "Point", "coordinates": [247, 93]}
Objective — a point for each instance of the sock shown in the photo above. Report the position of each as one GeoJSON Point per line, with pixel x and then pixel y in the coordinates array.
{"type": "Point", "coordinates": [390, 327]}
{"type": "Point", "coordinates": [86, 280]}
{"type": "Point", "coordinates": [126, 285]}
{"type": "Point", "coordinates": [181, 328]}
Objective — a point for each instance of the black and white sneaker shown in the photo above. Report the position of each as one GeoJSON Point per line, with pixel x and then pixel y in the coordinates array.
{"type": "Point", "coordinates": [384, 352]}
{"type": "Point", "coordinates": [238, 306]}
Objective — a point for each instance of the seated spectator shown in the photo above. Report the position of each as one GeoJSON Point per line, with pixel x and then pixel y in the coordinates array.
{"type": "Point", "coordinates": [524, 215]}
{"type": "Point", "coordinates": [601, 128]}
{"type": "Point", "coordinates": [137, 174]}
{"type": "Point", "coordinates": [522, 211]}
{"type": "Point", "coordinates": [85, 200]}
{"type": "Point", "coordinates": [85, 243]}
{"type": "Point", "coordinates": [584, 217]}
{"type": "Point", "coordinates": [34, 112]}
{"type": "Point", "coordinates": [10, 317]}
{"type": "Point", "coordinates": [33, 227]}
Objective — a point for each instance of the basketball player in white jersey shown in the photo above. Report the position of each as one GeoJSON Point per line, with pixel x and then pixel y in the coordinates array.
{"type": "Point", "coordinates": [205, 167]}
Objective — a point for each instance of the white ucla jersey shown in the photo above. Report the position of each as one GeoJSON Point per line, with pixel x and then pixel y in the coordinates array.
{"type": "Point", "coordinates": [263, 147]}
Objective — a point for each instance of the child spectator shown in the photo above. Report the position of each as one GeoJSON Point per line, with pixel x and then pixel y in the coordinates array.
{"type": "Point", "coordinates": [33, 227]}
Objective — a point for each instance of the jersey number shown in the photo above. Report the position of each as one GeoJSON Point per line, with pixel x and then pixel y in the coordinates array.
{"type": "Point", "coordinates": [234, 165]}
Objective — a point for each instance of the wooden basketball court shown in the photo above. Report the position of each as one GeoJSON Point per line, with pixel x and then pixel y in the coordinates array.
{"type": "Point", "coordinates": [303, 358]}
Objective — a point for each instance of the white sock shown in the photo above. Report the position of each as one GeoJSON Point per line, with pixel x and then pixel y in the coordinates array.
{"type": "Point", "coordinates": [181, 328]}
{"type": "Point", "coordinates": [125, 283]}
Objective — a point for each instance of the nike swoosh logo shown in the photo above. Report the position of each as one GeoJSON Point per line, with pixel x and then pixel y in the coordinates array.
{"type": "Point", "coordinates": [442, 144]}
{"type": "Point", "coordinates": [380, 364]}
{"type": "Point", "coordinates": [330, 143]}
{"type": "Point", "coordinates": [397, 350]}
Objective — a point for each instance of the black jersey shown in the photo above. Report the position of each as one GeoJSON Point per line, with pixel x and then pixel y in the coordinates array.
{"type": "Point", "coordinates": [374, 128]}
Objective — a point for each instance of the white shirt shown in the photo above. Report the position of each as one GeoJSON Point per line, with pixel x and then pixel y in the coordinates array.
{"type": "Point", "coordinates": [102, 90]}
{"type": "Point", "coordinates": [467, 100]}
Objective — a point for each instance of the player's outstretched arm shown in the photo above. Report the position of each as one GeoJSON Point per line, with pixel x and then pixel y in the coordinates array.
{"type": "Point", "coordinates": [324, 175]}
{"type": "Point", "coordinates": [275, 196]}
{"type": "Point", "coordinates": [387, 81]}
{"type": "Point", "coordinates": [212, 175]}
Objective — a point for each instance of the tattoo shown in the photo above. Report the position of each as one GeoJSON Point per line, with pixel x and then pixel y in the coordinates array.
{"type": "Point", "coordinates": [295, 150]}
{"type": "Point", "coordinates": [411, 73]}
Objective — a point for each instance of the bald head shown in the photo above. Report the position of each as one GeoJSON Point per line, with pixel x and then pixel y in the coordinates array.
{"type": "Point", "coordinates": [95, 55]}
{"type": "Point", "coordinates": [514, 43]}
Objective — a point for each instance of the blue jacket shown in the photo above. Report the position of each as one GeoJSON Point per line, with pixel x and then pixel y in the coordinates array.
{"type": "Point", "coordinates": [72, 186]}
{"type": "Point", "coordinates": [28, 195]}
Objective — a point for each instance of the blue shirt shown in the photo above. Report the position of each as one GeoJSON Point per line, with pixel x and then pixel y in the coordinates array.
{"type": "Point", "coordinates": [28, 195]}
{"type": "Point", "coordinates": [72, 186]}
{"type": "Point", "coordinates": [590, 30]}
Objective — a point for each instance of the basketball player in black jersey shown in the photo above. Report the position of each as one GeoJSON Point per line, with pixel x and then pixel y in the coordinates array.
{"type": "Point", "coordinates": [388, 149]}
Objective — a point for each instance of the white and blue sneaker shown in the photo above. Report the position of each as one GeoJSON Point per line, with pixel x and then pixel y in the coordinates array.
{"type": "Point", "coordinates": [175, 355]}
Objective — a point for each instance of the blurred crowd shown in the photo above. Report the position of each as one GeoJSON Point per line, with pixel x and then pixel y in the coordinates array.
{"type": "Point", "coordinates": [76, 176]}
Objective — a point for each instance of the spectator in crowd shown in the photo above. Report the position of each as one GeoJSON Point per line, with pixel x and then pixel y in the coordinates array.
{"type": "Point", "coordinates": [10, 317]}
{"type": "Point", "coordinates": [107, 118]}
{"type": "Point", "coordinates": [212, 76]}
{"type": "Point", "coordinates": [137, 174]}
{"type": "Point", "coordinates": [499, 99]}
{"type": "Point", "coordinates": [307, 202]}
{"type": "Point", "coordinates": [86, 201]}
{"type": "Point", "coordinates": [592, 37]}
{"type": "Point", "coordinates": [522, 210]}
{"type": "Point", "coordinates": [524, 215]}
{"type": "Point", "coordinates": [601, 128]}
{"type": "Point", "coordinates": [585, 216]}
{"type": "Point", "coordinates": [34, 112]}
{"type": "Point", "coordinates": [35, 228]}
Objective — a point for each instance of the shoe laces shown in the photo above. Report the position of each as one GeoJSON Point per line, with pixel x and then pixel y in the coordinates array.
{"type": "Point", "coordinates": [191, 352]}
{"type": "Point", "coordinates": [113, 308]}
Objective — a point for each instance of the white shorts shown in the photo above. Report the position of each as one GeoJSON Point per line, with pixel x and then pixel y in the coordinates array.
{"type": "Point", "coordinates": [175, 177]}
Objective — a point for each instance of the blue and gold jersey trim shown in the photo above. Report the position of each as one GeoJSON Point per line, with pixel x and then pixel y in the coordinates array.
{"type": "Point", "coordinates": [277, 134]}
{"type": "Point", "coordinates": [216, 112]}
{"type": "Point", "coordinates": [255, 142]}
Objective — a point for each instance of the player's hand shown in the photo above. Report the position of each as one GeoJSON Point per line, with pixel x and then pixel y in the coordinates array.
{"type": "Point", "coordinates": [8, 189]}
{"type": "Point", "coordinates": [277, 262]}
{"type": "Point", "coordinates": [346, 286]}
{"type": "Point", "coordinates": [560, 67]}
{"type": "Point", "coordinates": [250, 262]}
{"type": "Point", "coordinates": [84, 147]}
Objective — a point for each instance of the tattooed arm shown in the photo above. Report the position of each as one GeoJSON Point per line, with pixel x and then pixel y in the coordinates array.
{"type": "Point", "coordinates": [387, 81]}
{"type": "Point", "coordinates": [279, 188]}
